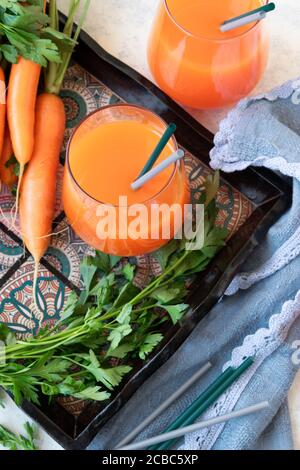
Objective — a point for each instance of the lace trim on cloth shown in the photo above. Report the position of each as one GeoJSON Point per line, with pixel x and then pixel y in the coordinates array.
{"type": "Point", "coordinates": [261, 345]}
{"type": "Point", "coordinates": [281, 258]}
{"type": "Point", "coordinates": [220, 158]}
{"type": "Point", "coordinates": [220, 154]}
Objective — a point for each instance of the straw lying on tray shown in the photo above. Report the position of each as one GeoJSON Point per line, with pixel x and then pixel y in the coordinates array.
{"type": "Point", "coordinates": [205, 400]}
{"type": "Point", "coordinates": [192, 413]}
{"type": "Point", "coordinates": [165, 405]}
{"type": "Point", "coordinates": [196, 427]}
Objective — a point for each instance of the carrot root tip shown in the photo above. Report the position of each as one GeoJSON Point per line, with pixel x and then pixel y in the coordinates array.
{"type": "Point", "coordinates": [34, 287]}
{"type": "Point", "coordinates": [18, 196]}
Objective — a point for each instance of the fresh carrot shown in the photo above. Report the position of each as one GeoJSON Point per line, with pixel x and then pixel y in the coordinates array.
{"type": "Point", "coordinates": [7, 174]}
{"type": "Point", "coordinates": [2, 106]}
{"type": "Point", "coordinates": [37, 200]}
{"type": "Point", "coordinates": [22, 93]}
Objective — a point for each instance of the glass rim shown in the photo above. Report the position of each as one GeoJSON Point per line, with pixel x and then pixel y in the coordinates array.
{"type": "Point", "coordinates": [177, 166]}
{"type": "Point", "coordinates": [206, 38]}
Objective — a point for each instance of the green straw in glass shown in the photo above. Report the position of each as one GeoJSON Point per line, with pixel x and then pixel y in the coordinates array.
{"type": "Point", "coordinates": [158, 149]}
{"type": "Point", "coordinates": [265, 8]}
{"type": "Point", "coordinates": [247, 18]}
{"type": "Point", "coordinates": [205, 400]}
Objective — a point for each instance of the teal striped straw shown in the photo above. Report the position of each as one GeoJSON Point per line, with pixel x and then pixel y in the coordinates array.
{"type": "Point", "coordinates": [158, 149]}
{"type": "Point", "coordinates": [205, 400]}
{"type": "Point", "coordinates": [264, 9]}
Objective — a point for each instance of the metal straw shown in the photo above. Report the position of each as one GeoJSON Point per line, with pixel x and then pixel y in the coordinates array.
{"type": "Point", "coordinates": [243, 21]}
{"type": "Point", "coordinates": [137, 184]}
{"type": "Point", "coordinates": [165, 405]}
{"type": "Point", "coordinates": [249, 17]}
{"type": "Point", "coordinates": [159, 149]}
{"type": "Point", "coordinates": [195, 427]}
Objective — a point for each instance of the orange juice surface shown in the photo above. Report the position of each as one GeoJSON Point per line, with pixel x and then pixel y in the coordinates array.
{"type": "Point", "coordinates": [103, 161]}
{"type": "Point", "coordinates": [204, 17]}
{"type": "Point", "coordinates": [197, 64]}
{"type": "Point", "coordinates": [106, 160]}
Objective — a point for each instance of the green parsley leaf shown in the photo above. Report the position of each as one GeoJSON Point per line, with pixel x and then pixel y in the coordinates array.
{"type": "Point", "coordinates": [176, 312]}
{"type": "Point", "coordinates": [174, 293]}
{"type": "Point", "coordinates": [117, 334]}
{"type": "Point", "coordinates": [128, 271]}
{"type": "Point", "coordinates": [92, 393]}
{"type": "Point", "coordinates": [70, 306]}
{"type": "Point", "coordinates": [121, 351]}
{"type": "Point", "coordinates": [13, 441]}
{"type": "Point", "coordinates": [124, 315]}
{"type": "Point", "coordinates": [150, 342]}
{"type": "Point", "coordinates": [163, 254]}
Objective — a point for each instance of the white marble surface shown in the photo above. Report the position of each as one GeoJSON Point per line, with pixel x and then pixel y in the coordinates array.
{"type": "Point", "coordinates": [122, 27]}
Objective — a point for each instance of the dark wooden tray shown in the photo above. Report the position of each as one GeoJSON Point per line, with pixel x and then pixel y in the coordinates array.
{"type": "Point", "coordinates": [265, 193]}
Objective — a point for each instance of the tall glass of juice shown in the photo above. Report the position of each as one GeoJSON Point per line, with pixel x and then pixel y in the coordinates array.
{"type": "Point", "coordinates": [105, 155]}
{"type": "Point", "coordinates": [198, 65]}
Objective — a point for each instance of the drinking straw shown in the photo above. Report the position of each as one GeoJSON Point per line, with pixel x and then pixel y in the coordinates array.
{"type": "Point", "coordinates": [195, 427]}
{"type": "Point", "coordinates": [243, 21]}
{"type": "Point", "coordinates": [165, 405]}
{"type": "Point", "coordinates": [252, 16]}
{"type": "Point", "coordinates": [158, 149]}
{"type": "Point", "coordinates": [205, 400]}
{"type": "Point", "coordinates": [157, 169]}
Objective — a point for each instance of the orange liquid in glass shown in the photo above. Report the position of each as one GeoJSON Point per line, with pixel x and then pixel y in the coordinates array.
{"type": "Point", "coordinates": [104, 161]}
{"type": "Point", "coordinates": [197, 64]}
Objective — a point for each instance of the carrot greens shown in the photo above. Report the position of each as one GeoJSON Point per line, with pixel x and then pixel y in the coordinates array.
{"type": "Point", "coordinates": [14, 441]}
{"type": "Point", "coordinates": [25, 31]}
{"type": "Point", "coordinates": [56, 71]}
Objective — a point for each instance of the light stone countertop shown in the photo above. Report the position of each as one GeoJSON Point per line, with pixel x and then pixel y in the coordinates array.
{"type": "Point", "coordinates": [122, 27]}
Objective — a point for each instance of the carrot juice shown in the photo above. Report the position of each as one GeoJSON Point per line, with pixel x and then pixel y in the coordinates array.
{"type": "Point", "coordinates": [197, 64]}
{"type": "Point", "coordinates": [105, 155]}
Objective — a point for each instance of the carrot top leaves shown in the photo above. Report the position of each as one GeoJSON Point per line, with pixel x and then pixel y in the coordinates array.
{"type": "Point", "coordinates": [56, 72]}
{"type": "Point", "coordinates": [25, 31]}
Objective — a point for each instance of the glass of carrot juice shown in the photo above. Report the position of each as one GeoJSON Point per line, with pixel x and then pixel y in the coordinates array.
{"type": "Point", "coordinates": [105, 155]}
{"type": "Point", "coordinates": [198, 65]}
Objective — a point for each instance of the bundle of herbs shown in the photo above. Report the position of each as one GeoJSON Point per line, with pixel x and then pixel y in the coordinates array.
{"type": "Point", "coordinates": [111, 319]}
{"type": "Point", "coordinates": [13, 441]}
{"type": "Point", "coordinates": [26, 31]}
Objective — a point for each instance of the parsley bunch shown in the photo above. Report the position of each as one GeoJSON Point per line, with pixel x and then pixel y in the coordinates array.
{"type": "Point", "coordinates": [18, 442]}
{"type": "Point", "coordinates": [25, 31]}
{"type": "Point", "coordinates": [111, 321]}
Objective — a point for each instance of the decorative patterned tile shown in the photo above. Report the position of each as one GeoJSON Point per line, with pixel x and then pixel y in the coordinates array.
{"type": "Point", "coordinates": [17, 308]}
{"type": "Point", "coordinates": [10, 252]}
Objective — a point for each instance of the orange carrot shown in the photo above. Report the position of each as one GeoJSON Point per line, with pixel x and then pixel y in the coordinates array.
{"type": "Point", "coordinates": [2, 107]}
{"type": "Point", "coordinates": [37, 200]}
{"type": "Point", "coordinates": [22, 92]}
{"type": "Point", "coordinates": [7, 174]}
{"type": "Point", "coordinates": [38, 190]}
